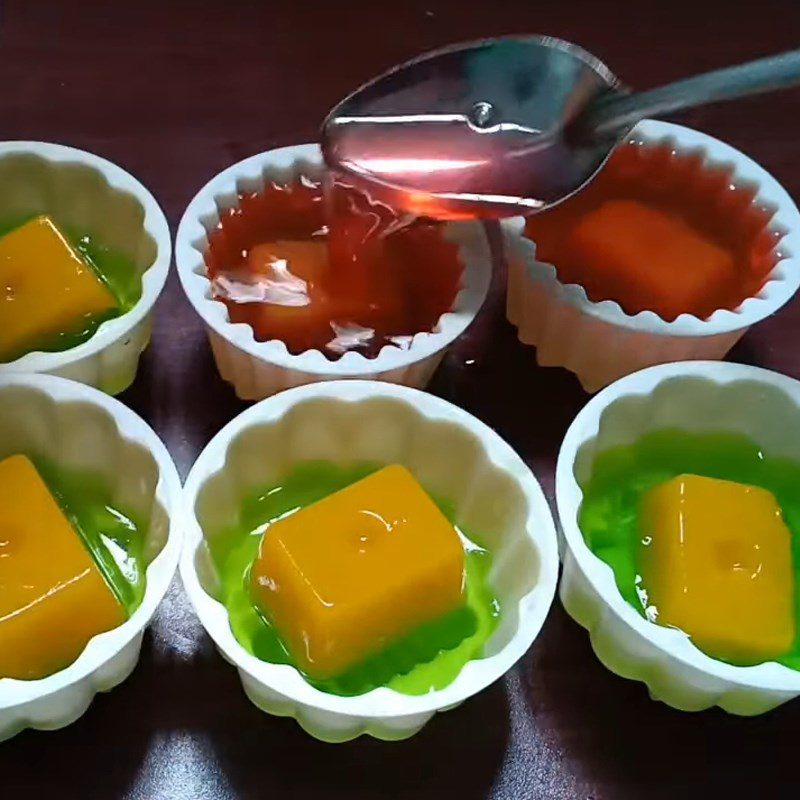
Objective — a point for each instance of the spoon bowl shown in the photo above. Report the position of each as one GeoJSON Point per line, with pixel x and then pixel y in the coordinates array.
{"type": "Point", "coordinates": [507, 126]}
{"type": "Point", "coordinates": [477, 129]}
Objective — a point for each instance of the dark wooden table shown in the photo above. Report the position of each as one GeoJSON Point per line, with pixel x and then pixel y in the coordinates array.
{"type": "Point", "coordinates": [174, 92]}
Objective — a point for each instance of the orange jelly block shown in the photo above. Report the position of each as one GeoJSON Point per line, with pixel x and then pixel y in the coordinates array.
{"type": "Point", "coordinates": [45, 287]}
{"type": "Point", "coordinates": [307, 260]}
{"type": "Point", "coordinates": [345, 577]}
{"type": "Point", "coordinates": [53, 598]}
{"type": "Point", "coordinates": [297, 305]}
{"type": "Point", "coordinates": [716, 562]}
{"type": "Point", "coordinates": [645, 258]}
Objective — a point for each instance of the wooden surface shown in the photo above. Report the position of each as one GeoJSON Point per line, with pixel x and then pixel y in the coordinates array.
{"type": "Point", "coordinates": [174, 92]}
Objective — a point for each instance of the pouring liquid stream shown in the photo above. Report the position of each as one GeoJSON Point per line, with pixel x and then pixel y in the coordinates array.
{"type": "Point", "coordinates": [425, 169]}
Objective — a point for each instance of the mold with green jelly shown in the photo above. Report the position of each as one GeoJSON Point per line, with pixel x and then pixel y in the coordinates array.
{"type": "Point", "coordinates": [113, 268]}
{"type": "Point", "coordinates": [427, 659]}
{"type": "Point", "coordinates": [620, 477]}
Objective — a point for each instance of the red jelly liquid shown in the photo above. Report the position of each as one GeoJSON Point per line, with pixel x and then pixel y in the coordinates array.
{"type": "Point", "coordinates": [659, 230]}
{"type": "Point", "coordinates": [330, 270]}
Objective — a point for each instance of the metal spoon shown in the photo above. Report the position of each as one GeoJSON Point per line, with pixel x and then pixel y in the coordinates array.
{"type": "Point", "coordinates": [506, 126]}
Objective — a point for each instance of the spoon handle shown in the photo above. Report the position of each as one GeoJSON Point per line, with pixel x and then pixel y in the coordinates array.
{"type": "Point", "coordinates": [614, 111]}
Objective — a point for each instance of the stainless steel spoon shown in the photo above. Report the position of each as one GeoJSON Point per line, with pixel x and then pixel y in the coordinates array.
{"type": "Point", "coordinates": [506, 126]}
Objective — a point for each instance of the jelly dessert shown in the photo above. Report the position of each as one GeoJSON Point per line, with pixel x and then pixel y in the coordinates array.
{"type": "Point", "coordinates": [285, 282]}
{"type": "Point", "coordinates": [702, 532]}
{"type": "Point", "coordinates": [715, 560]}
{"type": "Point", "coordinates": [348, 575]}
{"type": "Point", "coordinates": [636, 250]}
{"type": "Point", "coordinates": [357, 578]}
{"type": "Point", "coordinates": [330, 270]}
{"type": "Point", "coordinates": [54, 294]}
{"type": "Point", "coordinates": [56, 593]}
{"type": "Point", "coordinates": [659, 230]}
{"type": "Point", "coordinates": [54, 598]}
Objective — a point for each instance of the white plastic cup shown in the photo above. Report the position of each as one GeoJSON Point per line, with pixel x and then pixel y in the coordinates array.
{"type": "Point", "coordinates": [698, 397]}
{"type": "Point", "coordinates": [78, 427]}
{"type": "Point", "coordinates": [259, 369]}
{"type": "Point", "coordinates": [453, 455]}
{"type": "Point", "coordinates": [88, 193]}
{"type": "Point", "coordinates": [600, 342]}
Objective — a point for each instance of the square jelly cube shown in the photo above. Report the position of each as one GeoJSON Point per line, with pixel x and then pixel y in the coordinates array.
{"type": "Point", "coordinates": [645, 258]}
{"type": "Point", "coordinates": [345, 577]}
{"type": "Point", "coordinates": [53, 598]}
{"type": "Point", "coordinates": [715, 560]}
{"type": "Point", "coordinates": [295, 306]}
{"type": "Point", "coordinates": [281, 261]}
{"type": "Point", "coordinates": [45, 288]}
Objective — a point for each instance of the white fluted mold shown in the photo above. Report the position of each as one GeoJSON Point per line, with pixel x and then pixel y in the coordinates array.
{"type": "Point", "coordinates": [75, 426]}
{"type": "Point", "coordinates": [600, 342]}
{"type": "Point", "coordinates": [700, 396]}
{"type": "Point", "coordinates": [84, 192]}
{"type": "Point", "coordinates": [494, 494]}
{"type": "Point", "coordinates": [258, 369]}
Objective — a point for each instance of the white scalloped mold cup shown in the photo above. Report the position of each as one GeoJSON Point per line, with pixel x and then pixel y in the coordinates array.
{"type": "Point", "coordinates": [258, 369]}
{"type": "Point", "coordinates": [697, 397]}
{"type": "Point", "coordinates": [453, 455]}
{"type": "Point", "coordinates": [86, 193]}
{"type": "Point", "coordinates": [77, 427]}
{"type": "Point", "coordinates": [600, 342]}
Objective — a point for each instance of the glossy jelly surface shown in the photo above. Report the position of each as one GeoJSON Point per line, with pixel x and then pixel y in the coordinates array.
{"type": "Point", "coordinates": [53, 596]}
{"type": "Point", "coordinates": [57, 286]}
{"type": "Point", "coordinates": [660, 230]}
{"type": "Point", "coordinates": [114, 535]}
{"type": "Point", "coordinates": [429, 657]}
{"type": "Point", "coordinates": [349, 575]}
{"type": "Point", "coordinates": [614, 510]}
{"type": "Point", "coordinates": [715, 561]}
{"type": "Point", "coordinates": [330, 270]}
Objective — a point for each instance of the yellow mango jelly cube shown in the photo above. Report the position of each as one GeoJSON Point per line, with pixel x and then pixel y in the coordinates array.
{"type": "Point", "coordinates": [45, 287]}
{"type": "Point", "coordinates": [345, 577]}
{"type": "Point", "coordinates": [53, 598]}
{"type": "Point", "coordinates": [715, 561]}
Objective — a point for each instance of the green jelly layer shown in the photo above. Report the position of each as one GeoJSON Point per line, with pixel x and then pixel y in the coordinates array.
{"type": "Point", "coordinates": [622, 475]}
{"type": "Point", "coordinates": [114, 537]}
{"type": "Point", "coordinates": [430, 658]}
{"type": "Point", "coordinates": [118, 273]}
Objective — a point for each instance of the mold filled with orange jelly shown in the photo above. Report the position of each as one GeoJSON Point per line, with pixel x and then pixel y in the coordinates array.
{"type": "Point", "coordinates": [660, 230]}
{"type": "Point", "coordinates": [330, 270]}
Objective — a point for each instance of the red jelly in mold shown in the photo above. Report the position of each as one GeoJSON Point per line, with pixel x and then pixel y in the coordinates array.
{"type": "Point", "coordinates": [660, 230]}
{"type": "Point", "coordinates": [330, 270]}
